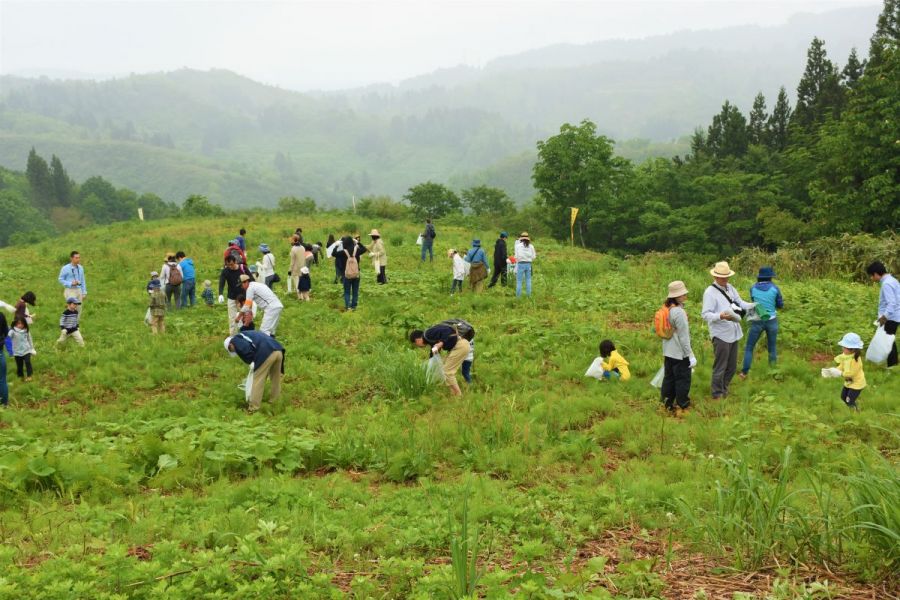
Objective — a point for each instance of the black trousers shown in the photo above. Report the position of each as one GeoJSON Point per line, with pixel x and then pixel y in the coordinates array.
{"type": "Point", "coordinates": [23, 361]}
{"type": "Point", "coordinates": [890, 328]}
{"type": "Point", "coordinates": [676, 385]}
{"type": "Point", "coordinates": [499, 273]}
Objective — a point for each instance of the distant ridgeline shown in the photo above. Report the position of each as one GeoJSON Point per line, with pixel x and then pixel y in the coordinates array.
{"type": "Point", "coordinates": [824, 167]}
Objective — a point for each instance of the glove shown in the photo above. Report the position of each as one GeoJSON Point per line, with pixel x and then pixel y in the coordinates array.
{"type": "Point", "coordinates": [435, 349]}
{"type": "Point", "coordinates": [693, 361]}
{"type": "Point", "coordinates": [221, 298]}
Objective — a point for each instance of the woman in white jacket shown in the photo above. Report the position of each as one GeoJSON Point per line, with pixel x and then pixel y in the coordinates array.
{"type": "Point", "coordinates": [460, 267]}
{"type": "Point", "coordinates": [525, 254]}
{"type": "Point", "coordinates": [266, 267]}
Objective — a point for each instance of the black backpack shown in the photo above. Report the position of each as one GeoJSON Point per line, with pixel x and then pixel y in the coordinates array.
{"type": "Point", "coordinates": [462, 327]}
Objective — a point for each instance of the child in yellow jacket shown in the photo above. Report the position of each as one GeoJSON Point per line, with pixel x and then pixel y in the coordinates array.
{"type": "Point", "coordinates": [851, 366]}
{"type": "Point", "coordinates": [613, 364]}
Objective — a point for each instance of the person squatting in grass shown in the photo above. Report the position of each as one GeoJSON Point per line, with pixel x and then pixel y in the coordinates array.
{"type": "Point", "coordinates": [71, 276]}
{"type": "Point", "coordinates": [22, 348]}
{"type": "Point", "coordinates": [459, 270]}
{"type": "Point", "coordinates": [678, 356]}
{"type": "Point", "coordinates": [722, 310]}
{"type": "Point", "coordinates": [68, 323]}
{"type": "Point", "coordinates": [157, 307]}
{"type": "Point", "coordinates": [245, 319]}
{"type": "Point", "coordinates": [768, 299]}
{"type": "Point", "coordinates": [850, 364]}
{"type": "Point", "coordinates": [613, 364]}
{"type": "Point", "coordinates": [265, 300]}
{"type": "Point", "coordinates": [267, 357]}
{"type": "Point", "coordinates": [444, 337]}
{"type": "Point", "coordinates": [231, 274]}
{"type": "Point", "coordinates": [888, 304]}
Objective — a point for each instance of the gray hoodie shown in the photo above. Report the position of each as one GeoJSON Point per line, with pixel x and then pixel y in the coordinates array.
{"type": "Point", "coordinates": [679, 345]}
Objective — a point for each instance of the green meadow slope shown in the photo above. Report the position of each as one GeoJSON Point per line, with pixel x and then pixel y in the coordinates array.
{"type": "Point", "coordinates": [129, 470]}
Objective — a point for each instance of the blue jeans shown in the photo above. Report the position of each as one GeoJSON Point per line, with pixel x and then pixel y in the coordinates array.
{"type": "Point", "coordinates": [457, 284]}
{"type": "Point", "coordinates": [351, 292]}
{"type": "Point", "coordinates": [428, 245]}
{"type": "Point", "coordinates": [4, 388]}
{"type": "Point", "coordinates": [523, 271]}
{"type": "Point", "coordinates": [467, 370]}
{"type": "Point", "coordinates": [756, 330]}
{"type": "Point", "coordinates": [188, 292]}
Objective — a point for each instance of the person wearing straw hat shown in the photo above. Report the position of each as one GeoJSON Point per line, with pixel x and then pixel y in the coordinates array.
{"type": "Point", "coordinates": [678, 356]}
{"type": "Point", "coordinates": [266, 356]}
{"type": "Point", "coordinates": [379, 257]}
{"type": "Point", "coordinates": [525, 255]}
{"type": "Point", "coordinates": [723, 309]}
{"type": "Point", "coordinates": [767, 298]}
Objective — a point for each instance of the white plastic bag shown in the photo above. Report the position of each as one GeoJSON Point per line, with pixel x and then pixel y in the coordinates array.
{"type": "Point", "coordinates": [596, 369]}
{"type": "Point", "coordinates": [247, 386]}
{"type": "Point", "coordinates": [831, 372]}
{"type": "Point", "coordinates": [147, 317]}
{"type": "Point", "coordinates": [434, 370]}
{"type": "Point", "coordinates": [419, 240]}
{"type": "Point", "coordinates": [880, 346]}
{"type": "Point", "coordinates": [658, 378]}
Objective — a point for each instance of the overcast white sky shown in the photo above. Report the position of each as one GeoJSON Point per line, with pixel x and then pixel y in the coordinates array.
{"type": "Point", "coordinates": [313, 44]}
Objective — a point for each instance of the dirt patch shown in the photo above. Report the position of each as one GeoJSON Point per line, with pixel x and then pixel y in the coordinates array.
{"type": "Point", "coordinates": [141, 553]}
{"type": "Point", "coordinates": [618, 321]}
{"type": "Point", "coordinates": [817, 358]}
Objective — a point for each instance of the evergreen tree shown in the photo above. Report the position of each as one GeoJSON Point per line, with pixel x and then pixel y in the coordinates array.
{"type": "Point", "coordinates": [756, 130]}
{"type": "Point", "coordinates": [62, 185]}
{"type": "Point", "coordinates": [39, 179]}
{"type": "Point", "coordinates": [777, 126]}
{"type": "Point", "coordinates": [727, 135]}
{"type": "Point", "coordinates": [853, 70]}
{"type": "Point", "coordinates": [887, 32]}
{"type": "Point", "coordinates": [818, 93]}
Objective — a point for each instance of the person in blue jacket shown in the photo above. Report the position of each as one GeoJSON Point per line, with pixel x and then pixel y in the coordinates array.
{"type": "Point", "coordinates": [188, 279]}
{"type": "Point", "coordinates": [480, 267]}
{"type": "Point", "coordinates": [266, 355]}
{"type": "Point", "coordinates": [768, 300]}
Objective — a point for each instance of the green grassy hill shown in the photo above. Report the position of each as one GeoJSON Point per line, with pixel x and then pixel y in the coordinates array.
{"type": "Point", "coordinates": [129, 470]}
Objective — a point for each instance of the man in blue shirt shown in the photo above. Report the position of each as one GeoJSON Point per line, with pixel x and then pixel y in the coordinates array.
{"type": "Point", "coordinates": [768, 300]}
{"type": "Point", "coordinates": [188, 279]}
{"type": "Point", "coordinates": [267, 357]}
{"type": "Point", "coordinates": [240, 239]}
{"type": "Point", "coordinates": [888, 303]}
{"type": "Point", "coordinates": [71, 276]}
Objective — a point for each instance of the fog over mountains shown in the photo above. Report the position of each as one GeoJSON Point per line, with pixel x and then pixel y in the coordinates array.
{"type": "Point", "coordinates": [244, 143]}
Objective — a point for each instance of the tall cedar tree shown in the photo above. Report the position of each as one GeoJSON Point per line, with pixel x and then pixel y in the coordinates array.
{"type": "Point", "coordinates": [887, 32]}
{"type": "Point", "coordinates": [62, 185]}
{"type": "Point", "coordinates": [819, 93]}
{"type": "Point", "coordinates": [39, 179]}
{"type": "Point", "coordinates": [727, 136]}
{"type": "Point", "coordinates": [853, 70]}
{"type": "Point", "coordinates": [777, 126]}
{"type": "Point", "coordinates": [756, 130]}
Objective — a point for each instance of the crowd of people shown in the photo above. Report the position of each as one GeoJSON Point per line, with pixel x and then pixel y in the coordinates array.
{"type": "Point", "coordinates": [248, 289]}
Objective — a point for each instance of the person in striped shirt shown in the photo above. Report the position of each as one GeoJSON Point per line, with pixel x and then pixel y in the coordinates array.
{"type": "Point", "coordinates": [68, 323]}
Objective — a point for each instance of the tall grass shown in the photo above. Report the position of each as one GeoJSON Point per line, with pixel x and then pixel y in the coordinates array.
{"type": "Point", "coordinates": [875, 492]}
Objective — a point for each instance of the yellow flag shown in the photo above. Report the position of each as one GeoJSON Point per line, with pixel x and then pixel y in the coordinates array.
{"type": "Point", "coordinates": [572, 224]}
{"type": "Point", "coordinates": [574, 214]}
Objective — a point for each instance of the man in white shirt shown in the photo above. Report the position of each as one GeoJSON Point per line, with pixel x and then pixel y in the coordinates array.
{"type": "Point", "coordinates": [266, 300]}
{"type": "Point", "coordinates": [723, 309]}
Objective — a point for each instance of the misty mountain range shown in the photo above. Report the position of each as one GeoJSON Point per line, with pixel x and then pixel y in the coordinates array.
{"type": "Point", "coordinates": [240, 142]}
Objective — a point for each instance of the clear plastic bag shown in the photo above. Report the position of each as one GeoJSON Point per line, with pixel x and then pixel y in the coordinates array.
{"type": "Point", "coordinates": [658, 378]}
{"type": "Point", "coordinates": [880, 346]}
{"type": "Point", "coordinates": [596, 369]}
{"type": "Point", "coordinates": [831, 372]}
{"type": "Point", "coordinates": [419, 240]}
{"type": "Point", "coordinates": [434, 370]}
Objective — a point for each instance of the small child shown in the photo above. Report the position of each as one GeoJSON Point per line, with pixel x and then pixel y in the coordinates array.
{"type": "Point", "coordinates": [68, 323]}
{"type": "Point", "coordinates": [304, 284]}
{"type": "Point", "coordinates": [614, 366]}
{"type": "Point", "coordinates": [207, 293]}
{"type": "Point", "coordinates": [467, 364]}
{"type": "Point", "coordinates": [22, 348]}
{"type": "Point", "coordinates": [154, 277]}
{"type": "Point", "coordinates": [244, 318]}
{"type": "Point", "coordinates": [157, 307]}
{"type": "Point", "coordinates": [851, 366]}
{"type": "Point", "coordinates": [459, 270]}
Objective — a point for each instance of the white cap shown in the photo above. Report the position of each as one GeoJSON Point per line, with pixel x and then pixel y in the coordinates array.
{"type": "Point", "coordinates": [227, 344]}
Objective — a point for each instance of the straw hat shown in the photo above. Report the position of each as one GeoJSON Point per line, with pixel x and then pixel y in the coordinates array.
{"type": "Point", "coordinates": [852, 341]}
{"type": "Point", "coordinates": [721, 270]}
{"type": "Point", "coordinates": [524, 236]}
{"type": "Point", "coordinates": [245, 278]}
{"type": "Point", "coordinates": [451, 252]}
{"type": "Point", "coordinates": [677, 289]}
{"type": "Point", "coordinates": [374, 233]}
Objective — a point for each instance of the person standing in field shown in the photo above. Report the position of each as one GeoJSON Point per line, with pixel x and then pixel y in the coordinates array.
{"type": "Point", "coordinates": [428, 240]}
{"type": "Point", "coordinates": [500, 257]}
{"type": "Point", "coordinates": [267, 357]}
{"type": "Point", "coordinates": [189, 280]}
{"type": "Point", "coordinates": [171, 276]}
{"type": "Point", "coordinates": [525, 255]}
{"type": "Point", "coordinates": [22, 348]}
{"type": "Point", "coordinates": [266, 267]}
{"type": "Point", "coordinates": [723, 309]}
{"type": "Point", "coordinates": [266, 300]}
{"type": "Point", "coordinates": [71, 276]}
{"type": "Point", "coordinates": [231, 274]}
{"type": "Point", "coordinates": [4, 385]}
{"type": "Point", "coordinates": [768, 299]}
{"type": "Point", "coordinates": [241, 241]}
{"type": "Point", "coordinates": [459, 270]}
{"type": "Point", "coordinates": [678, 356]}
{"type": "Point", "coordinates": [888, 304]}
{"type": "Point", "coordinates": [297, 263]}
{"type": "Point", "coordinates": [479, 270]}
{"type": "Point", "coordinates": [157, 307]}
{"type": "Point", "coordinates": [304, 284]}
{"type": "Point", "coordinates": [379, 257]}
{"type": "Point", "coordinates": [851, 367]}
{"type": "Point", "coordinates": [68, 323]}
{"type": "Point", "coordinates": [346, 258]}
{"type": "Point", "coordinates": [446, 338]}
{"type": "Point", "coordinates": [234, 249]}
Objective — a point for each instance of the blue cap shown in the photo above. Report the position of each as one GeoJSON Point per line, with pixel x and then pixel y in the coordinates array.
{"type": "Point", "coordinates": [476, 242]}
{"type": "Point", "coordinates": [154, 284]}
{"type": "Point", "coordinates": [766, 273]}
{"type": "Point", "coordinates": [72, 300]}
{"type": "Point", "coordinates": [264, 248]}
{"type": "Point", "coordinates": [852, 341]}
{"type": "Point", "coordinates": [503, 234]}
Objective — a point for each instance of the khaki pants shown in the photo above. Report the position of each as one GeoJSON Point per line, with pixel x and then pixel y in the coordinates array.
{"type": "Point", "coordinates": [455, 359]}
{"type": "Point", "coordinates": [271, 369]}
{"type": "Point", "coordinates": [158, 324]}
{"type": "Point", "coordinates": [74, 293]}
{"type": "Point", "coordinates": [233, 309]}
{"type": "Point", "coordinates": [292, 282]}
{"type": "Point", "coordinates": [65, 335]}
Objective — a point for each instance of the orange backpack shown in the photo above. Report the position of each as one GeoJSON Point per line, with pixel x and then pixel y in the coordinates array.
{"type": "Point", "coordinates": [662, 325]}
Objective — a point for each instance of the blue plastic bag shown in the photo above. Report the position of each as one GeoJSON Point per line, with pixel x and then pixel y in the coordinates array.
{"type": "Point", "coordinates": [9, 346]}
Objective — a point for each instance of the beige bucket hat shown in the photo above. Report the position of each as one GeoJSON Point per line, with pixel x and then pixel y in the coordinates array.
{"type": "Point", "coordinates": [677, 289]}
{"type": "Point", "coordinates": [721, 270]}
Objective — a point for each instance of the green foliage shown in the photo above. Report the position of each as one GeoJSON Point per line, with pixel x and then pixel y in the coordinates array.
{"type": "Point", "coordinates": [381, 207]}
{"type": "Point", "coordinates": [297, 206]}
{"type": "Point", "coordinates": [483, 200]}
{"type": "Point", "coordinates": [199, 206]}
{"type": "Point", "coordinates": [433, 200]}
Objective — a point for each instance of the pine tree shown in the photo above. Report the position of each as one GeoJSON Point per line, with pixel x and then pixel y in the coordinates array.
{"type": "Point", "coordinates": [62, 185]}
{"type": "Point", "coordinates": [38, 174]}
{"type": "Point", "coordinates": [887, 32]}
{"type": "Point", "coordinates": [853, 70]}
{"type": "Point", "coordinates": [819, 92]}
{"type": "Point", "coordinates": [756, 130]}
{"type": "Point", "coordinates": [777, 126]}
{"type": "Point", "coordinates": [727, 135]}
